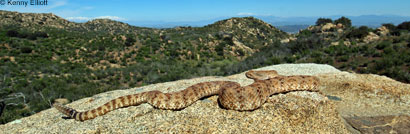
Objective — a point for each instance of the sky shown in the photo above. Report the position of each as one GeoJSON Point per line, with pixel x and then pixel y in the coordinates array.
{"type": "Point", "coordinates": [197, 10]}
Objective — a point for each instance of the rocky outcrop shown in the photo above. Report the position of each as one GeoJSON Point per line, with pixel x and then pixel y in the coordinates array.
{"type": "Point", "coordinates": [248, 26]}
{"type": "Point", "coordinates": [29, 19]}
{"type": "Point", "coordinates": [327, 27]}
{"type": "Point", "coordinates": [371, 37]}
{"type": "Point", "coordinates": [383, 31]}
{"type": "Point", "coordinates": [350, 103]}
{"type": "Point", "coordinates": [240, 46]}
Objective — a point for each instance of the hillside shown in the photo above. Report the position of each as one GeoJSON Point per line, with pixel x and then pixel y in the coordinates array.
{"type": "Point", "coordinates": [384, 51]}
{"type": "Point", "coordinates": [44, 57]}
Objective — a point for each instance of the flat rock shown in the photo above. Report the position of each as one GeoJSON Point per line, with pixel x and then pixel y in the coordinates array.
{"type": "Point", "coordinates": [369, 103]}
{"type": "Point", "coordinates": [381, 124]}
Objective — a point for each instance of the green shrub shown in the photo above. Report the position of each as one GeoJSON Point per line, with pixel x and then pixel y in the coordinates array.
{"type": "Point", "coordinates": [404, 26]}
{"type": "Point", "coordinates": [377, 54]}
{"type": "Point", "coordinates": [388, 51]}
{"type": "Point", "coordinates": [220, 48]}
{"type": "Point", "coordinates": [317, 54]}
{"type": "Point", "coordinates": [324, 60]}
{"type": "Point", "coordinates": [389, 26]}
{"type": "Point", "coordinates": [383, 64]}
{"type": "Point", "coordinates": [12, 33]}
{"type": "Point", "coordinates": [345, 21]}
{"type": "Point", "coordinates": [305, 33]}
{"type": "Point", "coordinates": [361, 32]}
{"type": "Point", "coordinates": [383, 45]}
{"type": "Point", "coordinates": [274, 61]}
{"type": "Point", "coordinates": [289, 59]}
{"type": "Point", "coordinates": [343, 58]}
{"type": "Point", "coordinates": [26, 49]}
{"type": "Point", "coordinates": [35, 35]}
{"type": "Point", "coordinates": [323, 21]}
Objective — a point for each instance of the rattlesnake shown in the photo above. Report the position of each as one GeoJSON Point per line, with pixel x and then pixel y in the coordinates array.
{"type": "Point", "coordinates": [231, 94]}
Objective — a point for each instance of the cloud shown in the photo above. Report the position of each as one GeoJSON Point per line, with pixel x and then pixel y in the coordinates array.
{"type": "Point", "coordinates": [245, 14]}
{"type": "Point", "coordinates": [78, 18]}
{"type": "Point", "coordinates": [111, 18]}
{"type": "Point", "coordinates": [88, 7]}
{"type": "Point", "coordinates": [82, 19]}
{"type": "Point", "coordinates": [57, 4]}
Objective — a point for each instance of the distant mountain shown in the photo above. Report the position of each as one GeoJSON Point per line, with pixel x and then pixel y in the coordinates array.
{"type": "Point", "coordinates": [368, 20]}
{"type": "Point", "coordinates": [172, 24]}
{"type": "Point", "coordinates": [376, 20]}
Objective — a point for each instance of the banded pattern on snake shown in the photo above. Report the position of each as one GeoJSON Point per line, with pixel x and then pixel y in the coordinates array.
{"type": "Point", "coordinates": [230, 94]}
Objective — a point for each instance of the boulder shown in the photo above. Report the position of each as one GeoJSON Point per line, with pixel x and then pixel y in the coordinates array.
{"type": "Point", "coordinates": [327, 26]}
{"type": "Point", "coordinates": [371, 37]}
{"type": "Point", "coordinates": [382, 31]}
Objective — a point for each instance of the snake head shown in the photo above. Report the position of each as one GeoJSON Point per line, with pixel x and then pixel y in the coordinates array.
{"type": "Point", "coordinates": [261, 75]}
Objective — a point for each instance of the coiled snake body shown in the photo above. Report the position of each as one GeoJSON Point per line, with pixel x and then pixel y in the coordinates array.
{"type": "Point", "coordinates": [230, 94]}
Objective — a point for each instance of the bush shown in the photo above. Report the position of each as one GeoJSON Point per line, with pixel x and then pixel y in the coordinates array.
{"type": "Point", "coordinates": [220, 48]}
{"type": "Point", "coordinates": [343, 58]}
{"type": "Point", "coordinates": [389, 26]}
{"type": "Point", "coordinates": [392, 29]}
{"type": "Point", "coordinates": [304, 44]}
{"type": "Point", "coordinates": [361, 32]}
{"type": "Point", "coordinates": [404, 26]}
{"type": "Point", "coordinates": [388, 50]}
{"type": "Point", "coordinates": [32, 37]}
{"type": "Point", "coordinates": [129, 41]}
{"type": "Point", "coordinates": [344, 21]}
{"type": "Point", "coordinates": [383, 64]}
{"type": "Point", "coordinates": [26, 49]}
{"type": "Point", "coordinates": [305, 33]}
{"type": "Point", "coordinates": [383, 45]}
{"type": "Point", "coordinates": [12, 33]}
{"type": "Point", "coordinates": [40, 34]}
{"type": "Point", "coordinates": [323, 21]}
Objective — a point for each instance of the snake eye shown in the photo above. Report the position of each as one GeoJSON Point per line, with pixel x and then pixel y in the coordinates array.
{"type": "Point", "coordinates": [72, 112]}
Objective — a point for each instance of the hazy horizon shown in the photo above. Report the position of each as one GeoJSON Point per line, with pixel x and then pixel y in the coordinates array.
{"type": "Point", "coordinates": [200, 10]}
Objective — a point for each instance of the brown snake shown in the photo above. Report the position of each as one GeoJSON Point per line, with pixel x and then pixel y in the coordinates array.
{"type": "Point", "coordinates": [231, 94]}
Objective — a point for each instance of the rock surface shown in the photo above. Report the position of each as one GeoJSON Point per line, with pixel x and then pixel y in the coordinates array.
{"type": "Point", "coordinates": [381, 124]}
{"type": "Point", "coordinates": [352, 96]}
{"type": "Point", "coordinates": [369, 103]}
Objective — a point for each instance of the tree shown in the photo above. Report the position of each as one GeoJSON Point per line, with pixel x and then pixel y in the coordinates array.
{"type": "Point", "coordinates": [322, 21]}
{"type": "Point", "coordinates": [129, 41]}
{"type": "Point", "coordinates": [389, 26]}
{"type": "Point", "coordinates": [361, 32]}
{"type": "Point", "coordinates": [392, 28]}
{"type": "Point", "coordinates": [404, 26]}
{"type": "Point", "coordinates": [344, 21]}
{"type": "Point", "coordinates": [26, 49]}
{"type": "Point", "coordinates": [12, 33]}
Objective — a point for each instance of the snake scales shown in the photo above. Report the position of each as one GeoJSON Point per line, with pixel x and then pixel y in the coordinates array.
{"type": "Point", "coordinates": [230, 94]}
